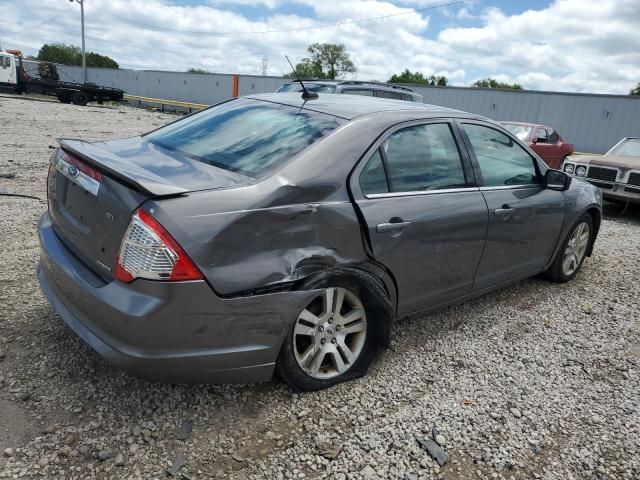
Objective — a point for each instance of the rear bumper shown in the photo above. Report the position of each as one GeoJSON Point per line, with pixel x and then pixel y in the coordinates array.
{"type": "Point", "coordinates": [176, 332]}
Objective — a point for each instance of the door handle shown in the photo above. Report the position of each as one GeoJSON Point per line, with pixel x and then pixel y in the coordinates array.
{"type": "Point", "coordinates": [504, 212]}
{"type": "Point", "coordinates": [391, 227]}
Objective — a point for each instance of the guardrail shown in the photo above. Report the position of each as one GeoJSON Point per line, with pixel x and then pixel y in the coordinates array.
{"type": "Point", "coordinates": [159, 101]}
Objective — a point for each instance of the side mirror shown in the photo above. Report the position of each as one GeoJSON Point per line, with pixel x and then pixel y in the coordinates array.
{"type": "Point", "coordinates": [557, 180]}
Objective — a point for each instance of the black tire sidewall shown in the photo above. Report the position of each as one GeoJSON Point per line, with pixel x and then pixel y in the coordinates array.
{"type": "Point", "coordinates": [80, 98]}
{"type": "Point", "coordinates": [287, 367]}
{"type": "Point", "coordinates": [556, 272]}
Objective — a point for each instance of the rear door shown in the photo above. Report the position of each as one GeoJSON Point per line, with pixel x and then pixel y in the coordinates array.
{"type": "Point", "coordinates": [425, 217]}
{"type": "Point", "coordinates": [525, 219]}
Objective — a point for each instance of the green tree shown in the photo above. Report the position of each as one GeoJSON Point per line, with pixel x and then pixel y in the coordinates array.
{"type": "Point", "coordinates": [419, 79]}
{"type": "Point", "coordinates": [636, 90]}
{"type": "Point", "coordinates": [492, 83]}
{"type": "Point", "coordinates": [326, 61]}
{"type": "Point", "coordinates": [197, 70]}
{"type": "Point", "coordinates": [72, 55]}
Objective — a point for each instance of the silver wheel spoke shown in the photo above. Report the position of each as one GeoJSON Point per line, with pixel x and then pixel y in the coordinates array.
{"type": "Point", "coordinates": [316, 361]}
{"type": "Point", "coordinates": [355, 327]}
{"type": "Point", "coordinates": [328, 300]}
{"type": "Point", "coordinates": [302, 329]}
{"type": "Point", "coordinates": [338, 362]}
{"type": "Point", "coordinates": [352, 316]}
{"type": "Point", "coordinates": [348, 354]}
{"type": "Point", "coordinates": [307, 356]}
{"type": "Point", "coordinates": [309, 317]}
{"type": "Point", "coordinates": [338, 302]}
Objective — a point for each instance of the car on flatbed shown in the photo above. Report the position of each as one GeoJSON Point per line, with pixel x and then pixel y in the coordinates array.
{"type": "Point", "coordinates": [271, 234]}
{"type": "Point", "coordinates": [352, 87]}
{"type": "Point", "coordinates": [543, 140]}
{"type": "Point", "coordinates": [616, 173]}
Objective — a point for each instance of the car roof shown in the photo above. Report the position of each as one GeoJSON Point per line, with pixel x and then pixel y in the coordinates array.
{"type": "Point", "coordinates": [352, 106]}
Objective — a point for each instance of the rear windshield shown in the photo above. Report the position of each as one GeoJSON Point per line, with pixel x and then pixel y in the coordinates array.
{"type": "Point", "coordinates": [523, 132]}
{"type": "Point", "coordinates": [245, 136]}
{"type": "Point", "coordinates": [312, 87]}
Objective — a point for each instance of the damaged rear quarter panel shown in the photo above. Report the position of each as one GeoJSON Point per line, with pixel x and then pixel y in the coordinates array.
{"type": "Point", "coordinates": [280, 229]}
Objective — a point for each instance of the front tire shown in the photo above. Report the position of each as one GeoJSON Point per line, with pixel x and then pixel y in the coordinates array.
{"type": "Point", "coordinates": [335, 337]}
{"type": "Point", "coordinates": [573, 251]}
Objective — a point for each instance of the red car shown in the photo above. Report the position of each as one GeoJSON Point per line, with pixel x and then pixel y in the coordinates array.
{"type": "Point", "coordinates": [543, 140]}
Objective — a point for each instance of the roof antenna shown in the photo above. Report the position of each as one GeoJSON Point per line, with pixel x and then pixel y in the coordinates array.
{"type": "Point", "coordinates": [306, 94]}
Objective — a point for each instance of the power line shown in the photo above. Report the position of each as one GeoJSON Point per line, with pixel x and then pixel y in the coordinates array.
{"type": "Point", "coordinates": [295, 29]}
{"type": "Point", "coordinates": [35, 25]}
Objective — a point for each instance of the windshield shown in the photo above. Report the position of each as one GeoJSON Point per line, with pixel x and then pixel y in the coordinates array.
{"type": "Point", "coordinates": [312, 87]}
{"type": "Point", "coordinates": [245, 136]}
{"type": "Point", "coordinates": [523, 132]}
{"type": "Point", "coordinates": [628, 148]}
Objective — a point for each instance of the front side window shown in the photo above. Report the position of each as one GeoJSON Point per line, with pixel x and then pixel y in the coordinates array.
{"type": "Point", "coordinates": [245, 136]}
{"type": "Point", "coordinates": [502, 161]}
{"type": "Point", "coordinates": [418, 158]}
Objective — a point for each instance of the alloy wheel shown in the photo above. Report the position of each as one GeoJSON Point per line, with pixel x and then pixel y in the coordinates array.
{"type": "Point", "coordinates": [576, 248]}
{"type": "Point", "coordinates": [330, 333]}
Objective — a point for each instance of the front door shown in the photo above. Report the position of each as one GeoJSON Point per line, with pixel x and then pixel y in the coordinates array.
{"type": "Point", "coordinates": [525, 219]}
{"type": "Point", "coordinates": [426, 218]}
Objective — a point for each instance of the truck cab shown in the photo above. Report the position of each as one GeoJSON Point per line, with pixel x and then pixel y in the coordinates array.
{"type": "Point", "coordinates": [8, 71]}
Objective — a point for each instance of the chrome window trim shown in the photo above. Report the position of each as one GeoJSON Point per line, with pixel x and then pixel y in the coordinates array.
{"type": "Point", "coordinates": [422, 192]}
{"type": "Point", "coordinates": [511, 187]}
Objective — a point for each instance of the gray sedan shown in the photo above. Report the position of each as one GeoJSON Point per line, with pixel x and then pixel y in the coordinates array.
{"type": "Point", "coordinates": [271, 235]}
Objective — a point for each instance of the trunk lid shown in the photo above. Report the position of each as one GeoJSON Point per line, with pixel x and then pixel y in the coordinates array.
{"type": "Point", "coordinates": [94, 187]}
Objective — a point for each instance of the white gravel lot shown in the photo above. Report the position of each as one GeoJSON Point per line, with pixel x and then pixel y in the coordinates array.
{"type": "Point", "coordinates": [535, 381]}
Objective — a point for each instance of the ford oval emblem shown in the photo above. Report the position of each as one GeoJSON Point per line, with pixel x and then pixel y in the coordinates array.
{"type": "Point", "coordinates": [72, 170]}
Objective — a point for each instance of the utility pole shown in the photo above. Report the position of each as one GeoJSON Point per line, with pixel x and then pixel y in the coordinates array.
{"type": "Point", "coordinates": [84, 59]}
{"type": "Point", "coordinates": [265, 66]}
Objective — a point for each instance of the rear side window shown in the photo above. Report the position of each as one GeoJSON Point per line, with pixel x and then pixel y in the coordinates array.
{"type": "Point", "coordinates": [358, 91]}
{"type": "Point", "coordinates": [541, 135]}
{"type": "Point", "coordinates": [502, 161]}
{"type": "Point", "coordinates": [386, 94]}
{"type": "Point", "coordinates": [418, 158]}
{"type": "Point", "coordinates": [245, 136]}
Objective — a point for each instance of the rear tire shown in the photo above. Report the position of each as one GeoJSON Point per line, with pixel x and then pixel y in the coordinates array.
{"type": "Point", "coordinates": [336, 336]}
{"type": "Point", "coordinates": [573, 251]}
{"type": "Point", "coordinates": [80, 98]}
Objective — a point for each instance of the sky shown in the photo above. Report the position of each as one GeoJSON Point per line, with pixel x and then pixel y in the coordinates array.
{"type": "Point", "coordinates": [560, 45]}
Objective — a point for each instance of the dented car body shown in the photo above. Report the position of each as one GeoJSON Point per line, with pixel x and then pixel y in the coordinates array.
{"type": "Point", "coordinates": [255, 238]}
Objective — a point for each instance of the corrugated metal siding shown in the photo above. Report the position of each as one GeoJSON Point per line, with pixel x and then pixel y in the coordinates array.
{"type": "Point", "coordinates": [593, 123]}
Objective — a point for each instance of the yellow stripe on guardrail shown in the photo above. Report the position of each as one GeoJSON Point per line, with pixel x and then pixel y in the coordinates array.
{"type": "Point", "coordinates": [162, 102]}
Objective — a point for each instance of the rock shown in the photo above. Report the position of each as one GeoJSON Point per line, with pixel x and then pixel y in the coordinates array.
{"type": "Point", "coordinates": [515, 412]}
{"type": "Point", "coordinates": [134, 447]}
{"type": "Point", "coordinates": [84, 450]}
{"type": "Point", "coordinates": [436, 452]}
{"type": "Point", "coordinates": [368, 472]}
{"type": "Point", "coordinates": [8, 452]}
{"type": "Point", "coordinates": [176, 465]}
{"type": "Point", "coordinates": [70, 439]}
{"type": "Point", "coordinates": [51, 428]}
{"type": "Point", "coordinates": [103, 455]}
{"type": "Point", "coordinates": [24, 396]}
{"type": "Point", "coordinates": [43, 462]}
{"type": "Point", "coordinates": [119, 461]}
{"type": "Point", "coordinates": [440, 440]}
{"type": "Point", "coordinates": [3, 355]}
{"type": "Point", "coordinates": [185, 431]}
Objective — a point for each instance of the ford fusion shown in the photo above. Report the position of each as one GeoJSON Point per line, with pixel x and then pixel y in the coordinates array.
{"type": "Point", "coordinates": [269, 235]}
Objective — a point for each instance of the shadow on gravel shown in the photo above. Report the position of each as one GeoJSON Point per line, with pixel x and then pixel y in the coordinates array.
{"type": "Point", "coordinates": [617, 211]}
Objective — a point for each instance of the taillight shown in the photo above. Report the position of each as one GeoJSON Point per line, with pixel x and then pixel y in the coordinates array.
{"type": "Point", "coordinates": [149, 251]}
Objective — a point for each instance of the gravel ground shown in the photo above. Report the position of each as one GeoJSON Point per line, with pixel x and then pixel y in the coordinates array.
{"type": "Point", "coordinates": [535, 381]}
